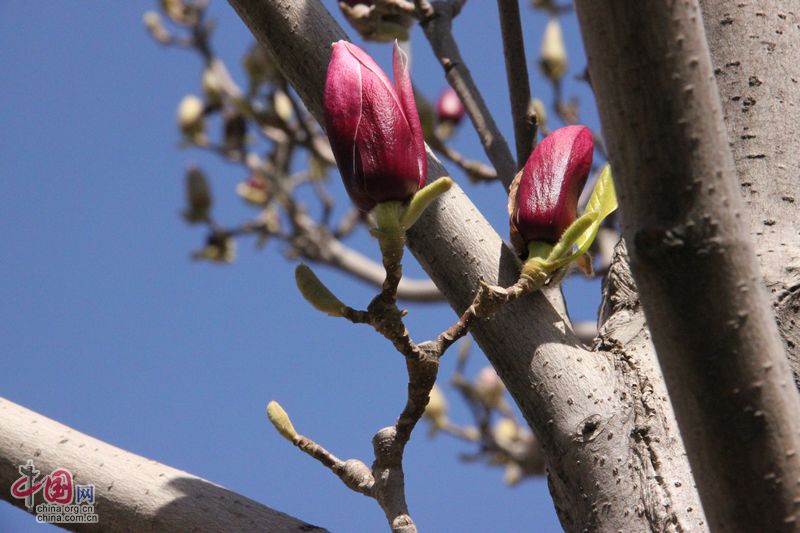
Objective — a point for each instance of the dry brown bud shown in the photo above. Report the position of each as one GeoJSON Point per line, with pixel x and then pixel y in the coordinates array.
{"type": "Point", "coordinates": [198, 196]}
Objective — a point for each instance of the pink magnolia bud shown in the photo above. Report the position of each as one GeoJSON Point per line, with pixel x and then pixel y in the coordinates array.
{"type": "Point", "coordinates": [373, 127]}
{"type": "Point", "coordinates": [449, 106]}
{"type": "Point", "coordinates": [544, 198]}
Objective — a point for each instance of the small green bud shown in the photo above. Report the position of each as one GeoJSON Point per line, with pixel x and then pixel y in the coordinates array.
{"type": "Point", "coordinates": [316, 293]}
{"type": "Point", "coordinates": [281, 420]}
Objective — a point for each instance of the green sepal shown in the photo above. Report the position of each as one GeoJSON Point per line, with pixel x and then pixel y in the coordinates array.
{"type": "Point", "coordinates": [423, 198]}
{"type": "Point", "coordinates": [575, 230]}
{"type": "Point", "coordinates": [602, 203]}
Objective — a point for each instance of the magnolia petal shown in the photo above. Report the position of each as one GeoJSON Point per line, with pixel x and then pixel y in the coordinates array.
{"type": "Point", "coordinates": [343, 103]}
{"type": "Point", "coordinates": [405, 93]}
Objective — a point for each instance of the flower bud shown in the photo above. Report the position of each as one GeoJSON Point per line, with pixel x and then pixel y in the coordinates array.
{"type": "Point", "coordinates": [489, 387]}
{"type": "Point", "coordinates": [471, 433]}
{"type": "Point", "coordinates": [506, 432]}
{"type": "Point", "coordinates": [543, 200]}
{"type": "Point", "coordinates": [234, 131]}
{"type": "Point", "coordinates": [283, 106]}
{"type": "Point", "coordinates": [219, 248]}
{"type": "Point", "coordinates": [190, 116]}
{"type": "Point", "coordinates": [155, 26]}
{"type": "Point", "coordinates": [316, 293]}
{"type": "Point", "coordinates": [281, 420]}
{"type": "Point", "coordinates": [449, 107]}
{"type": "Point", "coordinates": [541, 113]}
{"type": "Point", "coordinates": [198, 196]}
{"type": "Point", "coordinates": [177, 10]}
{"type": "Point", "coordinates": [212, 88]}
{"type": "Point", "coordinates": [553, 54]}
{"type": "Point", "coordinates": [377, 21]}
{"type": "Point", "coordinates": [513, 474]}
{"type": "Point", "coordinates": [373, 127]}
{"type": "Point", "coordinates": [254, 190]}
{"type": "Point", "coordinates": [260, 67]}
{"type": "Point", "coordinates": [436, 410]}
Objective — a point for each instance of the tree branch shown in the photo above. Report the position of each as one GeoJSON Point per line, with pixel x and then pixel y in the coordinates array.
{"type": "Point", "coordinates": [336, 254]}
{"type": "Point", "coordinates": [754, 49]}
{"type": "Point", "coordinates": [132, 493]}
{"type": "Point", "coordinates": [581, 404]}
{"type": "Point", "coordinates": [437, 27]}
{"type": "Point", "coordinates": [709, 316]}
{"type": "Point", "coordinates": [519, 89]}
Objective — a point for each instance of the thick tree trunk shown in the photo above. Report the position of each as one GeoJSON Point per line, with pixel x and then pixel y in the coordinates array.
{"type": "Point", "coordinates": [693, 261]}
{"type": "Point", "coordinates": [755, 48]}
{"type": "Point", "coordinates": [615, 461]}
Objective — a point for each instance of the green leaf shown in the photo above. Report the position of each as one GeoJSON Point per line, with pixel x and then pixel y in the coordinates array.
{"type": "Point", "coordinates": [602, 203]}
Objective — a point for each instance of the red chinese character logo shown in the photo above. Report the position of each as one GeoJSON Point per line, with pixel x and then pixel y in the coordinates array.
{"type": "Point", "coordinates": [22, 488]}
{"type": "Point", "coordinates": [58, 487]}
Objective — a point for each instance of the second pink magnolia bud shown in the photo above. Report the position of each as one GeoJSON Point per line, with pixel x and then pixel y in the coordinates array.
{"type": "Point", "coordinates": [449, 107]}
{"type": "Point", "coordinates": [373, 127]}
{"type": "Point", "coordinates": [544, 199]}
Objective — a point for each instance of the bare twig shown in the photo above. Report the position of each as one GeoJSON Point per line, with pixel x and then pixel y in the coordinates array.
{"type": "Point", "coordinates": [436, 21]}
{"type": "Point", "coordinates": [476, 171]}
{"type": "Point", "coordinates": [519, 89]}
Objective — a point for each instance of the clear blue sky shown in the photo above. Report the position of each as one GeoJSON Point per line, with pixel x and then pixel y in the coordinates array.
{"type": "Point", "coordinates": [108, 327]}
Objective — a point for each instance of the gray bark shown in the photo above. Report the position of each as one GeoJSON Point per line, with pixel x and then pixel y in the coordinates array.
{"type": "Point", "coordinates": [754, 50]}
{"type": "Point", "coordinates": [132, 493]}
{"type": "Point", "coordinates": [693, 261]}
{"type": "Point", "coordinates": [615, 461]}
